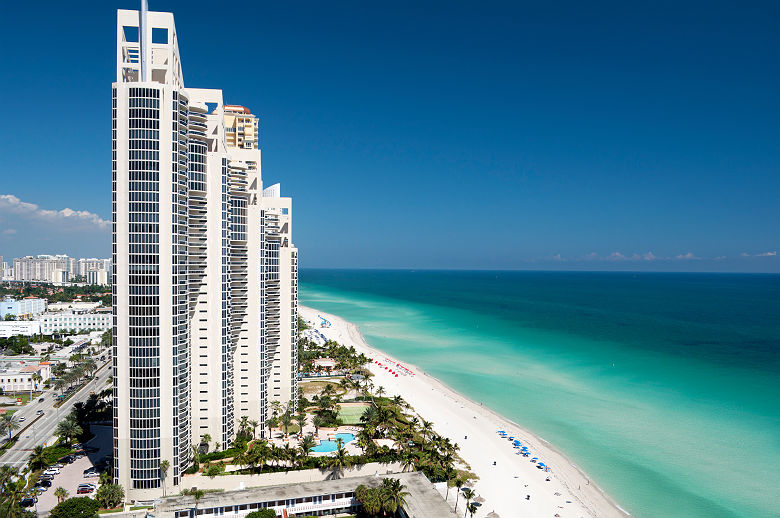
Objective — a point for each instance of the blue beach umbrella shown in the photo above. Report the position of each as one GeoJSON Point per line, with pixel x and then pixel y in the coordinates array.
{"type": "Point", "coordinates": [541, 464]}
{"type": "Point", "coordinates": [535, 458]}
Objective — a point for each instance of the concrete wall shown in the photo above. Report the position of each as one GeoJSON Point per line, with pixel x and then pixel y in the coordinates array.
{"type": "Point", "coordinates": [233, 482]}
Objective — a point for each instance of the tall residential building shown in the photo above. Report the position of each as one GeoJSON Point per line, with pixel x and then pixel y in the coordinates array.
{"type": "Point", "coordinates": [45, 268]}
{"type": "Point", "coordinates": [196, 254]}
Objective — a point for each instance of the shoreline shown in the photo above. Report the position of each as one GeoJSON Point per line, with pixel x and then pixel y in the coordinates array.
{"type": "Point", "coordinates": [570, 492]}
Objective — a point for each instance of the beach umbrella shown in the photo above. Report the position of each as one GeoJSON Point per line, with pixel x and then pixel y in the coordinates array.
{"type": "Point", "coordinates": [479, 500]}
{"type": "Point", "coordinates": [492, 514]}
{"type": "Point", "coordinates": [541, 464]}
{"type": "Point", "coordinates": [535, 458]}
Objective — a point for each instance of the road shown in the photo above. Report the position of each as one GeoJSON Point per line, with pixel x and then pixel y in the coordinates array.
{"type": "Point", "coordinates": [41, 430]}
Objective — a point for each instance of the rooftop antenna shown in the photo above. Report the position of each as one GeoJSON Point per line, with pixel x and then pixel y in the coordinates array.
{"type": "Point", "coordinates": [144, 42]}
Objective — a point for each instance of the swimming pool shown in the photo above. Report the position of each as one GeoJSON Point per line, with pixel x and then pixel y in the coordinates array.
{"type": "Point", "coordinates": [328, 446]}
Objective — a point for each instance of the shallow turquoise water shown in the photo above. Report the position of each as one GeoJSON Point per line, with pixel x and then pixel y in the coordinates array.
{"type": "Point", "coordinates": [665, 388]}
{"type": "Point", "coordinates": [328, 446]}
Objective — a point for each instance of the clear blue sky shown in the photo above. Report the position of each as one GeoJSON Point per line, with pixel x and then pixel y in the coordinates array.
{"type": "Point", "coordinates": [575, 135]}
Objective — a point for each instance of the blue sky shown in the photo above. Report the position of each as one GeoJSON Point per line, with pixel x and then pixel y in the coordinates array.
{"type": "Point", "coordinates": [598, 135]}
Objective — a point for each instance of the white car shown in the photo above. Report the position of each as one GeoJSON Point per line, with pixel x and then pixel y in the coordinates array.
{"type": "Point", "coordinates": [91, 474]}
{"type": "Point", "coordinates": [52, 471]}
{"type": "Point", "coordinates": [21, 418]}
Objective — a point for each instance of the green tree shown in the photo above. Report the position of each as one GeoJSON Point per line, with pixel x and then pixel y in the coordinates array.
{"type": "Point", "coordinates": [340, 460]}
{"type": "Point", "coordinates": [8, 424]}
{"type": "Point", "coordinates": [471, 508]}
{"type": "Point", "coordinates": [164, 467]}
{"type": "Point", "coordinates": [110, 495]}
{"type": "Point", "coordinates": [262, 513]}
{"type": "Point", "coordinates": [38, 459]}
{"type": "Point", "coordinates": [11, 497]}
{"type": "Point", "coordinates": [61, 493]}
{"type": "Point", "coordinates": [68, 429]}
{"type": "Point", "coordinates": [286, 420]}
{"type": "Point", "coordinates": [393, 495]}
{"type": "Point", "coordinates": [307, 443]}
{"type": "Point", "coordinates": [459, 484]}
{"type": "Point", "coordinates": [77, 507]}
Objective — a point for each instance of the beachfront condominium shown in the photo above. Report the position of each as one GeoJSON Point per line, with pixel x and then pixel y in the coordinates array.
{"type": "Point", "coordinates": [195, 333]}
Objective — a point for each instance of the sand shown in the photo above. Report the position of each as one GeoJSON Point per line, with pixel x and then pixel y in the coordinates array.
{"type": "Point", "coordinates": [505, 485]}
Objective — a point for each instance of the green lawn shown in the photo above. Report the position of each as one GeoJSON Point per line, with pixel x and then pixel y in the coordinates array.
{"type": "Point", "coordinates": [350, 414]}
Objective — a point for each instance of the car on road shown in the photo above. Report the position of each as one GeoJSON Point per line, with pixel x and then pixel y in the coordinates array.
{"type": "Point", "coordinates": [41, 400]}
{"type": "Point", "coordinates": [21, 418]}
{"type": "Point", "coordinates": [39, 412]}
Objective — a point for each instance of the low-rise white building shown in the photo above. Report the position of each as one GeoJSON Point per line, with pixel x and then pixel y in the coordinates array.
{"type": "Point", "coordinates": [75, 307]}
{"type": "Point", "coordinates": [19, 328]}
{"type": "Point", "coordinates": [18, 376]}
{"type": "Point", "coordinates": [70, 321]}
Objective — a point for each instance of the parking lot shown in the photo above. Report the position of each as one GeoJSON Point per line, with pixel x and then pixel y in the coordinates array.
{"type": "Point", "coordinates": [71, 475]}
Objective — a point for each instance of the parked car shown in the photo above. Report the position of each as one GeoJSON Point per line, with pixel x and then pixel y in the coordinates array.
{"type": "Point", "coordinates": [58, 466]}
{"type": "Point", "coordinates": [67, 459]}
{"type": "Point", "coordinates": [43, 484]}
{"type": "Point", "coordinates": [46, 477]}
{"type": "Point", "coordinates": [52, 471]}
{"type": "Point", "coordinates": [91, 449]}
{"type": "Point", "coordinates": [28, 502]}
{"type": "Point", "coordinates": [85, 490]}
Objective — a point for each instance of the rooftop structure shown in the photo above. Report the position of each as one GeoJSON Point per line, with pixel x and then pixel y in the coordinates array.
{"type": "Point", "coordinates": [308, 498]}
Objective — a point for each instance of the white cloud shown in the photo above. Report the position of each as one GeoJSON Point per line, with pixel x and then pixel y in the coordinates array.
{"type": "Point", "coordinates": [744, 254]}
{"type": "Point", "coordinates": [687, 257]}
{"type": "Point", "coordinates": [616, 256]}
{"type": "Point", "coordinates": [10, 204]}
{"type": "Point", "coordinates": [720, 258]}
{"type": "Point", "coordinates": [649, 256]}
{"type": "Point", "coordinates": [767, 254]}
{"type": "Point", "coordinates": [9, 231]}
{"type": "Point", "coordinates": [557, 257]}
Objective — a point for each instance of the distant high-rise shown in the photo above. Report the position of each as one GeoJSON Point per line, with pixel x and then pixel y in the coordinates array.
{"type": "Point", "coordinates": [198, 343]}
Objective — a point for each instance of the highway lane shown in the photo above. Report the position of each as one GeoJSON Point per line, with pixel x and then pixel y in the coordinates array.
{"type": "Point", "coordinates": [42, 430]}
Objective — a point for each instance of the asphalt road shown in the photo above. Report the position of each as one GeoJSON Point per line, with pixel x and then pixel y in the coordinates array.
{"type": "Point", "coordinates": [42, 429]}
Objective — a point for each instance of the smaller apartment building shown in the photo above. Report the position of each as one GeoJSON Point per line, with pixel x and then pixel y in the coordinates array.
{"type": "Point", "coordinates": [69, 321]}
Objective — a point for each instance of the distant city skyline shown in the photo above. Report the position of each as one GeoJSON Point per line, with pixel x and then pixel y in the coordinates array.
{"type": "Point", "coordinates": [500, 136]}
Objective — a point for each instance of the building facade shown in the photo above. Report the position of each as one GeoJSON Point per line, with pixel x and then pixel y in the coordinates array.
{"type": "Point", "coordinates": [45, 268]}
{"type": "Point", "coordinates": [190, 265]}
{"type": "Point", "coordinates": [68, 321]}
{"type": "Point", "coordinates": [22, 308]}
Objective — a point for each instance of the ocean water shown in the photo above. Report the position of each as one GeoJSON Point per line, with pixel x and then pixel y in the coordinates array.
{"type": "Point", "coordinates": [665, 388]}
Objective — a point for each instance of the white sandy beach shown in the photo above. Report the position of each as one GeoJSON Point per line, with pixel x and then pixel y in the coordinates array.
{"type": "Point", "coordinates": [568, 493]}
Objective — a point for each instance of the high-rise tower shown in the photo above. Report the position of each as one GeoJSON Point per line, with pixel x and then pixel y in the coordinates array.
{"type": "Point", "coordinates": [194, 264]}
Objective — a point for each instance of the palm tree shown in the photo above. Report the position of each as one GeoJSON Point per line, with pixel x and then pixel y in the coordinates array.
{"type": "Point", "coordinates": [380, 391]}
{"type": "Point", "coordinates": [61, 493]}
{"type": "Point", "coordinates": [204, 442]}
{"type": "Point", "coordinates": [394, 495]}
{"type": "Point", "coordinates": [68, 429]}
{"type": "Point", "coordinates": [164, 466]}
{"type": "Point", "coordinates": [468, 494]}
{"type": "Point", "coordinates": [243, 424]}
{"type": "Point", "coordinates": [301, 419]}
{"type": "Point", "coordinates": [459, 484]}
{"type": "Point", "coordinates": [8, 424]}
{"type": "Point", "coordinates": [60, 384]}
{"type": "Point", "coordinates": [340, 460]}
{"type": "Point", "coordinates": [472, 508]}
{"type": "Point", "coordinates": [35, 379]}
{"type": "Point", "coordinates": [270, 423]}
{"type": "Point", "coordinates": [425, 429]}
{"type": "Point", "coordinates": [253, 424]}
{"type": "Point", "coordinates": [286, 420]}
{"type": "Point", "coordinates": [197, 494]}
{"type": "Point", "coordinates": [307, 443]}
{"type": "Point", "coordinates": [13, 493]}
{"type": "Point", "coordinates": [38, 458]}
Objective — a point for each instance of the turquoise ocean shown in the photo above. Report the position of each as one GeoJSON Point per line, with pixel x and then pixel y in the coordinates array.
{"type": "Point", "coordinates": [664, 388]}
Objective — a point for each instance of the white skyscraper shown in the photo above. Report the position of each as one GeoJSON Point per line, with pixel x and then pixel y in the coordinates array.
{"type": "Point", "coordinates": [194, 261]}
